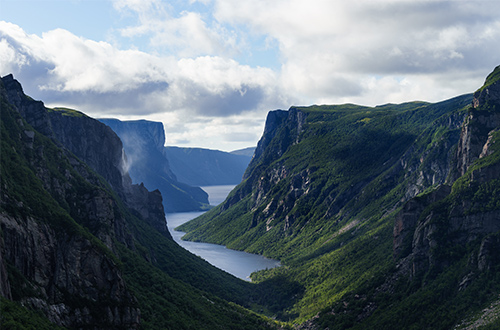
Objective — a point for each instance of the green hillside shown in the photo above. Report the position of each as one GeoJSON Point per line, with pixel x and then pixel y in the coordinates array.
{"type": "Point", "coordinates": [323, 196]}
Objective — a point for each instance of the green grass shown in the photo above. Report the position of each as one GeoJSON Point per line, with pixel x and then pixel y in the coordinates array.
{"type": "Point", "coordinates": [68, 112]}
{"type": "Point", "coordinates": [492, 78]}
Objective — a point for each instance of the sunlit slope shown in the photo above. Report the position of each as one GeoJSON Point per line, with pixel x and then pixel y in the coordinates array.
{"type": "Point", "coordinates": [324, 174]}
{"type": "Point", "coordinates": [321, 193]}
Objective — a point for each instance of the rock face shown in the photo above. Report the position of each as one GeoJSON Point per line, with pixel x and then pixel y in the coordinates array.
{"type": "Point", "coordinates": [47, 260]}
{"type": "Point", "coordinates": [147, 163]}
{"type": "Point", "coordinates": [291, 122]}
{"type": "Point", "coordinates": [33, 112]}
{"type": "Point", "coordinates": [72, 282]}
{"type": "Point", "coordinates": [314, 167]}
{"type": "Point", "coordinates": [99, 147]}
{"type": "Point", "coordinates": [91, 141]}
{"type": "Point", "coordinates": [288, 124]}
{"type": "Point", "coordinates": [407, 219]}
{"type": "Point", "coordinates": [427, 227]}
{"type": "Point", "coordinates": [482, 119]}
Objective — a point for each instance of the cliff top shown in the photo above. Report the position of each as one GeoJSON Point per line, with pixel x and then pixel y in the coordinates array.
{"type": "Point", "coordinates": [489, 93]}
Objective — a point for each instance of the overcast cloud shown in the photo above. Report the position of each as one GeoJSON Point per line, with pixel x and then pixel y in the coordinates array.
{"type": "Point", "coordinates": [210, 70]}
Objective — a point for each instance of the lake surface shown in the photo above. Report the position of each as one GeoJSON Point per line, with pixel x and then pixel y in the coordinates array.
{"type": "Point", "coordinates": [240, 264]}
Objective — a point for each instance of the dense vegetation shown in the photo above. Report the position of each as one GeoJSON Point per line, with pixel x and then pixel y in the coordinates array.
{"type": "Point", "coordinates": [324, 205]}
{"type": "Point", "coordinates": [174, 289]}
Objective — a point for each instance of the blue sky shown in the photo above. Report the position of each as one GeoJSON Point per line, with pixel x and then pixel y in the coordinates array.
{"type": "Point", "coordinates": [210, 70]}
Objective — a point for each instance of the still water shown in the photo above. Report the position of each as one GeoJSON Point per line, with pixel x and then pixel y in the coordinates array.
{"type": "Point", "coordinates": [238, 263]}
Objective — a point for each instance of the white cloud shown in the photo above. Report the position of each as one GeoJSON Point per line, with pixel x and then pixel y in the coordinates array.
{"type": "Point", "coordinates": [330, 49]}
{"type": "Point", "coordinates": [185, 34]}
{"type": "Point", "coordinates": [103, 81]}
{"type": "Point", "coordinates": [192, 70]}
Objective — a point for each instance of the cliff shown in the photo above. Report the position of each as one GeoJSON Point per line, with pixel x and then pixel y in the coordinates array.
{"type": "Point", "coordinates": [147, 163]}
{"type": "Point", "coordinates": [324, 165]}
{"type": "Point", "coordinates": [52, 263]}
{"type": "Point", "coordinates": [89, 140]}
{"type": "Point", "coordinates": [83, 249]}
{"type": "Point", "coordinates": [482, 119]}
{"type": "Point", "coordinates": [373, 210]}
{"type": "Point", "coordinates": [466, 213]}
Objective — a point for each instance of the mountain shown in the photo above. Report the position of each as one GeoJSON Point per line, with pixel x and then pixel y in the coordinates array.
{"type": "Point", "coordinates": [386, 216]}
{"type": "Point", "coordinates": [382, 217]}
{"type": "Point", "coordinates": [176, 172]}
{"type": "Point", "coordinates": [143, 142]}
{"type": "Point", "coordinates": [81, 247]}
{"type": "Point", "coordinates": [205, 167]}
{"type": "Point", "coordinates": [244, 152]}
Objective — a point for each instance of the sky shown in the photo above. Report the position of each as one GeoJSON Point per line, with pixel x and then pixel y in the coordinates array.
{"type": "Point", "coordinates": [211, 70]}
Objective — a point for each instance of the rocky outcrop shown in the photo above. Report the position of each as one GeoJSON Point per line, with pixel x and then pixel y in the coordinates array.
{"type": "Point", "coordinates": [34, 112]}
{"type": "Point", "coordinates": [288, 124]}
{"type": "Point", "coordinates": [148, 205]}
{"type": "Point", "coordinates": [429, 228]}
{"type": "Point", "coordinates": [483, 118]}
{"type": "Point", "coordinates": [66, 276]}
{"type": "Point", "coordinates": [474, 137]}
{"type": "Point", "coordinates": [93, 143]}
{"type": "Point", "coordinates": [406, 220]}
{"type": "Point", "coordinates": [434, 162]}
{"type": "Point", "coordinates": [489, 94]}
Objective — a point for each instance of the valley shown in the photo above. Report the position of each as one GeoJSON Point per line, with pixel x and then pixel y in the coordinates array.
{"type": "Point", "coordinates": [383, 217]}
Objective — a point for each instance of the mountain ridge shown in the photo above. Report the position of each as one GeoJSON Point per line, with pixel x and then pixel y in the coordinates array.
{"type": "Point", "coordinates": [205, 167]}
{"type": "Point", "coordinates": [379, 207]}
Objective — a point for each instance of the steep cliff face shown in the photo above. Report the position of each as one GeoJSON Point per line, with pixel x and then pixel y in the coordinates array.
{"type": "Point", "coordinates": [144, 142]}
{"type": "Point", "coordinates": [98, 146]}
{"type": "Point", "coordinates": [53, 264]}
{"type": "Point", "coordinates": [274, 121]}
{"type": "Point", "coordinates": [91, 141]}
{"type": "Point", "coordinates": [430, 227]}
{"type": "Point", "coordinates": [483, 118]}
{"type": "Point", "coordinates": [66, 276]}
{"type": "Point", "coordinates": [281, 131]}
{"type": "Point", "coordinates": [34, 112]}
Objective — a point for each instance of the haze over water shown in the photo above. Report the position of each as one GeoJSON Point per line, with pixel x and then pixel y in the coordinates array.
{"type": "Point", "coordinates": [240, 264]}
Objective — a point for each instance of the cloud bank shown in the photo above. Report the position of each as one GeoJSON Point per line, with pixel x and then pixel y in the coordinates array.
{"type": "Point", "coordinates": [211, 69]}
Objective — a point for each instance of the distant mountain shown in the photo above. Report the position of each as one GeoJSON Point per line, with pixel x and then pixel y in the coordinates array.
{"type": "Point", "coordinates": [244, 152]}
{"type": "Point", "coordinates": [388, 217]}
{"type": "Point", "coordinates": [143, 142]}
{"type": "Point", "coordinates": [204, 167]}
